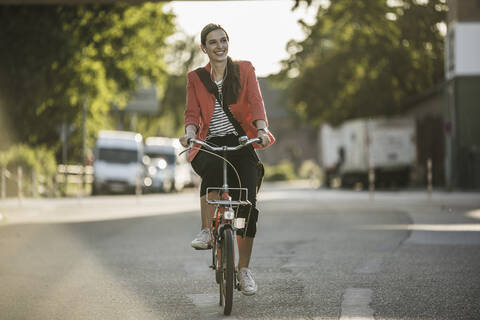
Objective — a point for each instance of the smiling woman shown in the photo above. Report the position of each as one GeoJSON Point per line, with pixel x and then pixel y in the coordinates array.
{"type": "Point", "coordinates": [224, 103]}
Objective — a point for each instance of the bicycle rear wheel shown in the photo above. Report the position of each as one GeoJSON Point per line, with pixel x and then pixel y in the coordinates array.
{"type": "Point", "coordinates": [227, 282]}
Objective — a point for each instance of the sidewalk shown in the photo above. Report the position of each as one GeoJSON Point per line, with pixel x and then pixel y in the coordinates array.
{"type": "Point", "coordinates": [80, 209]}
{"type": "Point", "coordinates": [60, 210]}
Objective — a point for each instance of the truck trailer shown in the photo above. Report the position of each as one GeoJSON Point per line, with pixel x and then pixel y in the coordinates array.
{"type": "Point", "coordinates": [385, 147]}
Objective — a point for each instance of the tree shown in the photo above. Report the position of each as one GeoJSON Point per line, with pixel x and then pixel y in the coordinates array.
{"type": "Point", "coordinates": [55, 58]}
{"type": "Point", "coordinates": [363, 59]}
{"type": "Point", "coordinates": [184, 56]}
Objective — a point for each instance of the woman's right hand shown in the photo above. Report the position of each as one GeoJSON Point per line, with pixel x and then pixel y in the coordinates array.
{"type": "Point", "coordinates": [185, 139]}
{"type": "Point", "coordinates": [191, 131]}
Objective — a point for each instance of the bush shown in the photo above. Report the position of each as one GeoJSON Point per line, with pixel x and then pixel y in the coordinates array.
{"type": "Point", "coordinates": [309, 170]}
{"type": "Point", "coordinates": [280, 172]}
{"type": "Point", "coordinates": [39, 160]}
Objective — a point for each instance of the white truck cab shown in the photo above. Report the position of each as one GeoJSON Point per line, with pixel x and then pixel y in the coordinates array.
{"type": "Point", "coordinates": [118, 162]}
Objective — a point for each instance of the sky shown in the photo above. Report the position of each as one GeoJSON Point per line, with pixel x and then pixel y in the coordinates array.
{"type": "Point", "coordinates": [259, 30]}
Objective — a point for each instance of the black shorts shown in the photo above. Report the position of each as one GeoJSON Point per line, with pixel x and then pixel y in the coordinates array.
{"type": "Point", "coordinates": [210, 169]}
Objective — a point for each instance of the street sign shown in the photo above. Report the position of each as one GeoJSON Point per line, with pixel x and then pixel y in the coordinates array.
{"type": "Point", "coordinates": [144, 101]}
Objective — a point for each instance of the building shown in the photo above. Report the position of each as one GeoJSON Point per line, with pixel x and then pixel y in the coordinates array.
{"type": "Point", "coordinates": [462, 108]}
{"type": "Point", "coordinates": [427, 109]}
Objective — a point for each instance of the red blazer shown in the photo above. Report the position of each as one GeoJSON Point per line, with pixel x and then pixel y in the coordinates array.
{"type": "Point", "coordinates": [249, 106]}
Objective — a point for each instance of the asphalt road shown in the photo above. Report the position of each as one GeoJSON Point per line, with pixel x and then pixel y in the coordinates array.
{"type": "Point", "coordinates": [319, 254]}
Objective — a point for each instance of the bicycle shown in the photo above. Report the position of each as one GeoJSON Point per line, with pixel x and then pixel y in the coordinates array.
{"type": "Point", "coordinates": [225, 223]}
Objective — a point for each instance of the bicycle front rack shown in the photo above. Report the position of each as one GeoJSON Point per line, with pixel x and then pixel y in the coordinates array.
{"type": "Point", "coordinates": [229, 203]}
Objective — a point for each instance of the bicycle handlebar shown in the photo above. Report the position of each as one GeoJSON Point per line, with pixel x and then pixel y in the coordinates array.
{"type": "Point", "coordinates": [244, 141]}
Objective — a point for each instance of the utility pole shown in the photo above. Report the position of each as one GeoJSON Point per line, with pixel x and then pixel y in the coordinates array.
{"type": "Point", "coordinates": [84, 142]}
{"type": "Point", "coordinates": [64, 133]}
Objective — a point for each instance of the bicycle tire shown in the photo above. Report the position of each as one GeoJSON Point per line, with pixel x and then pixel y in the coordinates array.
{"type": "Point", "coordinates": [228, 281]}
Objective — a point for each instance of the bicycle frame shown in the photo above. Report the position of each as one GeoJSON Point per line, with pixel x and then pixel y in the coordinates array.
{"type": "Point", "coordinates": [225, 217]}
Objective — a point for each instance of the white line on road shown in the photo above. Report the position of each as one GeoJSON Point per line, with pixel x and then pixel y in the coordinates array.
{"type": "Point", "coordinates": [204, 299]}
{"type": "Point", "coordinates": [463, 227]}
{"type": "Point", "coordinates": [475, 214]}
{"type": "Point", "coordinates": [355, 304]}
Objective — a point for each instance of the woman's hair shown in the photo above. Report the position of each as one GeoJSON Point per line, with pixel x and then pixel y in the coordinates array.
{"type": "Point", "coordinates": [209, 28]}
{"type": "Point", "coordinates": [232, 84]}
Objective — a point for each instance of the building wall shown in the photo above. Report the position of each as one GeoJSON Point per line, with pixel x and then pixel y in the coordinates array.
{"type": "Point", "coordinates": [462, 110]}
{"type": "Point", "coordinates": [463, 10]}
{"type": "Point", "coordinates": [468, 131]}
{"type": "Point", "coordinates": [430, 137]}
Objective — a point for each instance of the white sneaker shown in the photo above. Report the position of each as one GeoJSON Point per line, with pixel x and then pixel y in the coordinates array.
{"type": "Point", "coordinates": [202, 241]}
{"type": "Point", "coordinates": [247, 283]}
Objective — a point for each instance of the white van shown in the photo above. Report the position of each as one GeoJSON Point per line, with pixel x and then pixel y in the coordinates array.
{"type": "Point", "coordinates": [118, 162]}
{"type": "Point", "coordinates": [167, 170]}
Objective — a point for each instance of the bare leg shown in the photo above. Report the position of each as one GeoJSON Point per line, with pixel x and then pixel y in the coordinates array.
{"type": "Point", "coordinates": [206, 210]}
{"type": "Point", "coordinates": [245, 246]}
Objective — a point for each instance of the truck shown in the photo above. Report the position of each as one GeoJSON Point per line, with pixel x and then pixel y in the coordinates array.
{"type": "Point", "coordinates": [385, 147]}
{"type": "Point", "coordinates": [118, 162]}
{"type": "Point", "coordinates": [167, 169]}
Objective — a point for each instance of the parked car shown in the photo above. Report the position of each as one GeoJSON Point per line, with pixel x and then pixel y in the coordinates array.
{"type": "Point", "coordinates": [117, 164]}
{"type": "Point", "coordinates": [167, 170]}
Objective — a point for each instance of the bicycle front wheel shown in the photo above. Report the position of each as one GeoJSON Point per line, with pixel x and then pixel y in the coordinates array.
{"type": "Point", "coordinates": [227, 282]}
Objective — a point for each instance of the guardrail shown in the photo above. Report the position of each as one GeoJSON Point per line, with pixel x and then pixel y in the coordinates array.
{"type": "Point", "coordinates": [74, 174]}
{"type": "Point", "coordinates": [66, 175]}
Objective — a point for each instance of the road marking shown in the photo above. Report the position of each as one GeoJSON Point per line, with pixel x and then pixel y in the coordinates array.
{"type": "Point", "coordinates": [475, 214]}
{"type": "Point", "coordinates": [355, 304]}
{"type": "Point", "coordinates": [297, 265]}
{"type": "Point", "coordinates": [444, 238]}
{"type": "Point", "coordinates": [204, 299]}
{"type": "Point", "coordinates": [465, 227]}
{"type": "Point", "coordinates": [370, 266]}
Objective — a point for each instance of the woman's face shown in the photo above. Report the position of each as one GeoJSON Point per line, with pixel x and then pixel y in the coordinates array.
{"type": "Point", "coordinates": [216, 46]}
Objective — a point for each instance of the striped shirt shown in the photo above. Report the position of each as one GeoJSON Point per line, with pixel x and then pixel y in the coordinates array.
{"type": "Point", "coordinates": [219, 124]}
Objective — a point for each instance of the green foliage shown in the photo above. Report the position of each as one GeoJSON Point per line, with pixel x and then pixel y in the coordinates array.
{"type": "Point", "coordinates": [280, 172]}
{"type": "Point", "coordinates": [309, 169]}
{"type": "Point", "coordinates": [184, 55]}
{"type": "Point", "coordinates": [56, 58]}
{"type": "Point", "coordinates": [363, 59]}
{"type": "Point", "coordinates": [38, 160]}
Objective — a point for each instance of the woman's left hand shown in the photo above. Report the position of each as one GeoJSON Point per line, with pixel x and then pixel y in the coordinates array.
{"type": "Point", "coordinates": [263, 134]}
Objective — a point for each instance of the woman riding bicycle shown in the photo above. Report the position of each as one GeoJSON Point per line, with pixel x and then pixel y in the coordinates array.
{"type": "Point", "coordinates": [230, 85]}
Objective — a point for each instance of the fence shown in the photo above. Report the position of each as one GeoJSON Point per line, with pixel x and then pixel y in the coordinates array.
{"type": "Point", "coordinates": [68, 180]}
